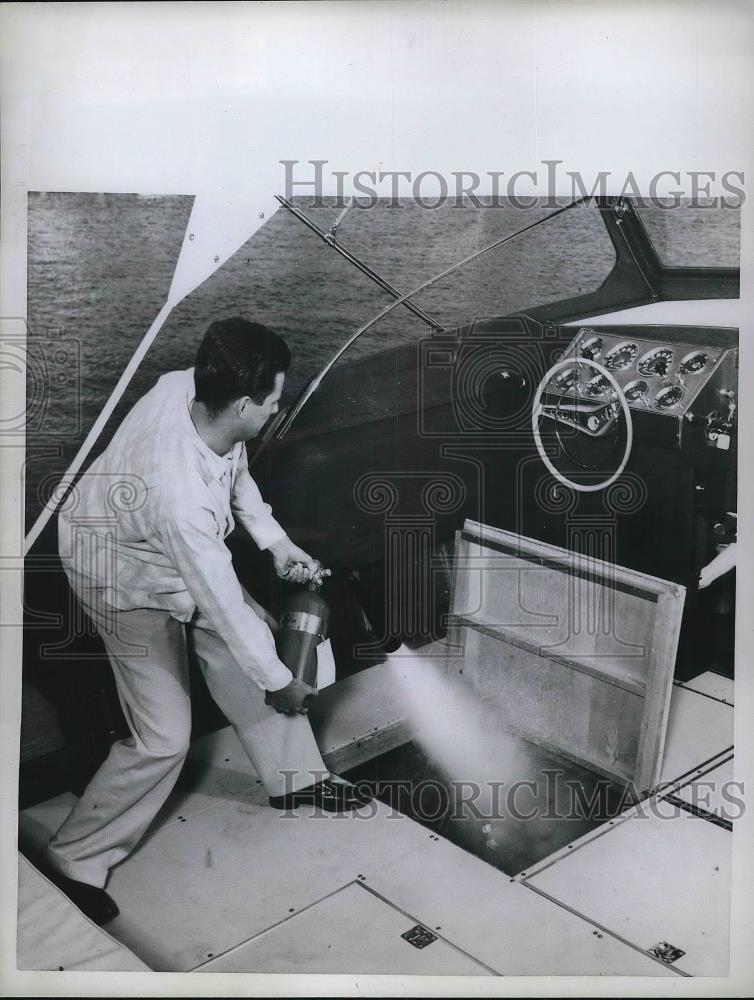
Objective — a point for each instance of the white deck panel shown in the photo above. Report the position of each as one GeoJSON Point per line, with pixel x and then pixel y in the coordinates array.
{"type": "Point", "coordinates": [226, 873]}
{"type": "Point", "coordinates": [713, 685]}
{"type": "Point", "coordinates": [699, 729]}
{"type": "Point", "coordinates": [499, 920]}
{"type": "Point", "coordinates": [351, 931]}
{"type": "Point", "coordinates": [651, 879]}
{"type": "Point", "coordinates": [715, 792]}
{"type": "Point", "coordinates": [223, 895]}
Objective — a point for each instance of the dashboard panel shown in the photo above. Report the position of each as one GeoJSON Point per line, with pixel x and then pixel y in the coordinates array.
{"type": "Point", "coordinates": [657, 377]}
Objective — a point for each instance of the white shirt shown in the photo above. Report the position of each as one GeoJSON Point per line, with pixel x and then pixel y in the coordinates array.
{"type": "Point", "coordinates": [144, 527]}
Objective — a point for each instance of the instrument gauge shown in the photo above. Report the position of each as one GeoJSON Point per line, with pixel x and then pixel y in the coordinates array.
{"type": "Point", "coordinates": [566, 379]}
{"type": "Point", "coordinates": [669, 397]}
{"type": "Point", "coordinates": [598, 385]}
{"type": "Point", "coordinates": [693, 362]}
{"type": "Point", "coordinates": [591, 348]}
{"type": "Point", "coordinates": [621, 356]}
{"type": "Point", "coordinates": [656, 362]}
{"type": "Point", "coordinates": [636, 390]}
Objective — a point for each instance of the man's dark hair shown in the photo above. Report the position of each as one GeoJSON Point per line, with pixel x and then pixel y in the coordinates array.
{"type": "Point", "coordinates": [238, 358]}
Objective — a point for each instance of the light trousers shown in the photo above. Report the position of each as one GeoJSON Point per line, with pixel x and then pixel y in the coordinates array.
{"type": "Point", "coordinates": [148, 652]}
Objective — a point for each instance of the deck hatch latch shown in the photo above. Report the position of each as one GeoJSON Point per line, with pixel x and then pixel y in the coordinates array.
{"type": "Point", "coordinates": [666, 952]}
{"type": "Point", "coordinates": [420, 937]}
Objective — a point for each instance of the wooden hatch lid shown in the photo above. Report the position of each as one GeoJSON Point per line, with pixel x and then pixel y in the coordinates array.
{"type": "Point", "coordinates": [578, 652]}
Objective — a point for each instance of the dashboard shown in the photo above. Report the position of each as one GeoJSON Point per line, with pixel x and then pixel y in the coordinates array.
{"type": "Point", "coordinates": [662, 378]}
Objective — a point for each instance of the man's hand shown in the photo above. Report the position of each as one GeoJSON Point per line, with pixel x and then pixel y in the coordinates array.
{"type": "Point", "coordinates": [295, 565]}
{"type": "Point", "coordinates": [292, 699]}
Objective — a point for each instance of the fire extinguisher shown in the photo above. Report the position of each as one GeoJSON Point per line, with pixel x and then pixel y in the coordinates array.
{"type": "Point", "coordinates": [303, 626]}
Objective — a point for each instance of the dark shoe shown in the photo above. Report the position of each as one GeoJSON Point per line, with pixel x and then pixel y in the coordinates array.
{"type": "Point", "coordinates": [93, 902]}
{"type": "Point", "coordinates": [332, 796]}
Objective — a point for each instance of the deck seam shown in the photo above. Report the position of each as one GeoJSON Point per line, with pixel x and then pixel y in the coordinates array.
{"type": "Point", "coordinates": [695, 771]}
{"type": "Point", "coordinates": [272, 927]}
{"type": "Point", "coordinates": [612, 934]}
{"type": "Point", "coordinates": [700, 813]}
{"type": "Point", "coordinates": [703, 694]}
{"type": "Point", "coordinates": [713, 765]}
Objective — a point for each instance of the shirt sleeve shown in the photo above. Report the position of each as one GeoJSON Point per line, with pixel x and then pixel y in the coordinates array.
{"type": "Point", "coordinates": [201, 557]}
{"type": "Point", "coordinates": [250, 510]}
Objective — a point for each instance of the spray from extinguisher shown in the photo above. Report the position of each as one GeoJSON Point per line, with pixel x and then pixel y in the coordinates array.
{"type": "Point", "coordinates": [303, 626]}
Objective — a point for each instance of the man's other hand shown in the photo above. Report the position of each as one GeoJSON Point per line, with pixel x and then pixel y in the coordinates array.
{"type": "Point", "coordinates": [295, 565]}
{"type": "Point", "coordinates": [291, 699]}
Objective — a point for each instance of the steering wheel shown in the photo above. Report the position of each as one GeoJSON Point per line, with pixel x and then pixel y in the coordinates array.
{"type": "Point", "coordinates": [592, 414]}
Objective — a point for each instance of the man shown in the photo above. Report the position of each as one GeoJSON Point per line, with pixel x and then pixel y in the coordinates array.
{"type": "Point", "coordinates": [141, 539]}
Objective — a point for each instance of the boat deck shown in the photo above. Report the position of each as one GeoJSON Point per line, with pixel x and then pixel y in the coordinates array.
{"type": "Point", "coordinates": [224, 883]}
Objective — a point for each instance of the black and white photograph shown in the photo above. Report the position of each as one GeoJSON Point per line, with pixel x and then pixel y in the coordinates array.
{"type": "Point", "coordinates": [374, 431]}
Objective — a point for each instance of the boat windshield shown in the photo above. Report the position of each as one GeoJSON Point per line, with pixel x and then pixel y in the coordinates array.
{"type": "Point", "coordinates": [569, 255]}
{"type": "Point", "coordinates": [529, 256]}
{"type": "Point", "coordinates": [687, 235]}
